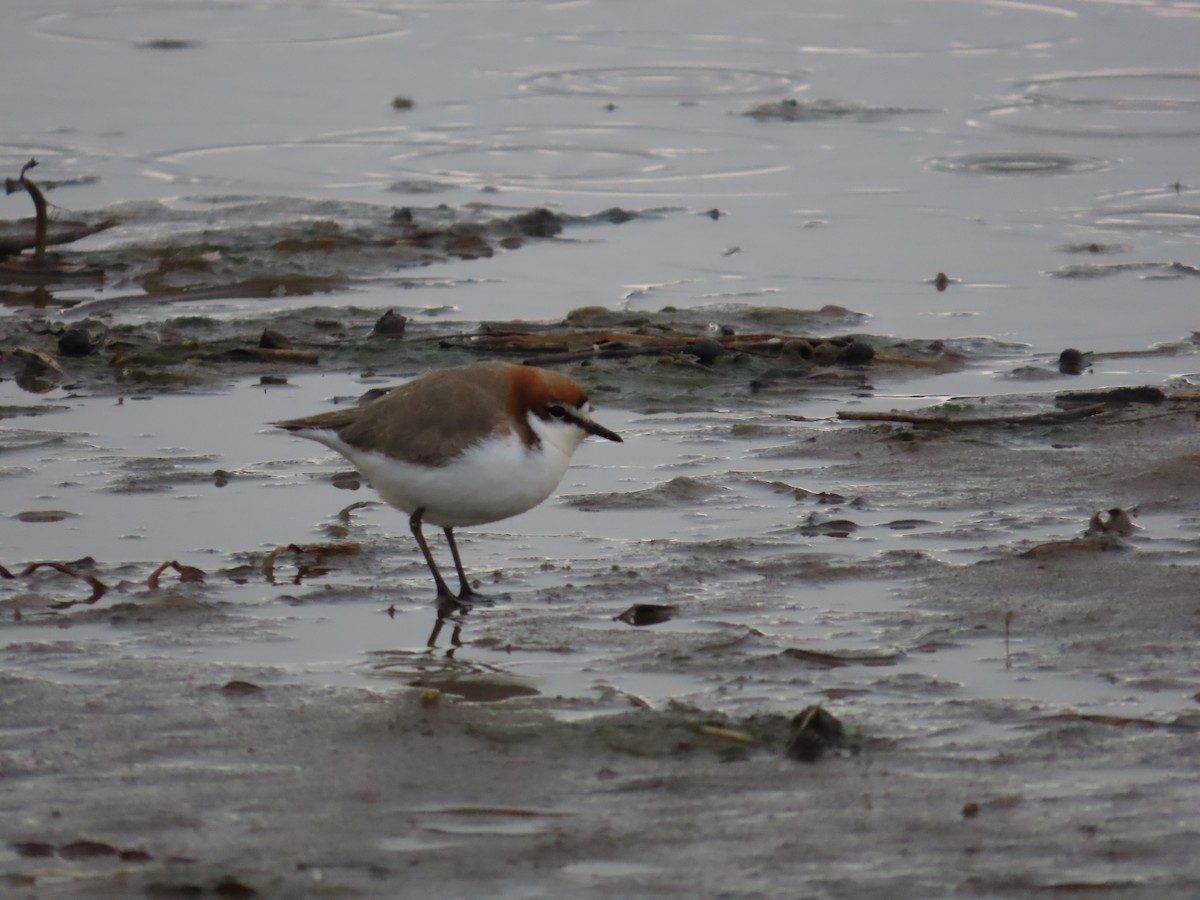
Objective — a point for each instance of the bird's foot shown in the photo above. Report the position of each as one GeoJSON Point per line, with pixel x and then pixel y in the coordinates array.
{"type": "Point", "coordinates": [449, 605]}
{"type": "Point", "coordinates": [469, 596]}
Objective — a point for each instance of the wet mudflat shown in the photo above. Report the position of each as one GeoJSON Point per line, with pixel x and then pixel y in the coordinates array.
{"type": "Point", "coordinates": [847, 484]}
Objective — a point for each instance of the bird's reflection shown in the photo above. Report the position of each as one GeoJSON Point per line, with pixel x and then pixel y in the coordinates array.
{"type": "Point", "coordinates": [452, 611]}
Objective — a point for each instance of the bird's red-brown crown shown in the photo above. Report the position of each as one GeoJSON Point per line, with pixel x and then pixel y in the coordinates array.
{"type": "Point", "coordinates": [532, 388]}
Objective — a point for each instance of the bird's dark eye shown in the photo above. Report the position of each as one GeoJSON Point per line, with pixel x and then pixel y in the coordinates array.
{"type": "Point", "coordinates": [557, 412]}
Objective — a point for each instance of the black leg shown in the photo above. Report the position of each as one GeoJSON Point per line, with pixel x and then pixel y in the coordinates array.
{"type": "Point", "coordinates": [465, 592]}
{"type": "Point", "coordinates": [443, 591]}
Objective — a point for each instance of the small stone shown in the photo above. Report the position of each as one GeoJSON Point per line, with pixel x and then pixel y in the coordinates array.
{"type": "Point", "coordinates": [707, 350]}
{"type": "Point", "coordinates": [75, 342]}
{"type": "Point", "coordinates": [1071, 362]}
{"type": "Point", "coordinates": [814, 731]}
{"type": "Point", "coordinates": [857, 353]}
{"type": "Point", "coordinates": [641, 614]}
{"type": "Point", "coordinates": [238, 688]}
{"type": "Point", "coordinates": [540, 222]}
{"type": "Point", "coordinates": [798, 350]}
{"type": "Point", "coordinates": [274, 340]}
{"type": "Point", "coordinates": [391, 323]}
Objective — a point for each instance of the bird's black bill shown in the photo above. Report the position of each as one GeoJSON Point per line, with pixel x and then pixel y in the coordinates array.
{"type": "Point", "coordinates": [600, 431]}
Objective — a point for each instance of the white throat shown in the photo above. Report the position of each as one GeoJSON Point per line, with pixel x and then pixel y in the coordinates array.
{"type": "Point", "coordinates": [558, 438]}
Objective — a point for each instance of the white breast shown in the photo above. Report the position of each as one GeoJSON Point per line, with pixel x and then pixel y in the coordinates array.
{"type": "Point", "coordinates": [492, 480]}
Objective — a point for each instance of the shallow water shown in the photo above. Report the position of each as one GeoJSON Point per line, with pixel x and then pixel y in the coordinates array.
{"type": "Point", "coordinates": [1036, 127]}
{"type": "Point", "coordinates": [1039, 154]}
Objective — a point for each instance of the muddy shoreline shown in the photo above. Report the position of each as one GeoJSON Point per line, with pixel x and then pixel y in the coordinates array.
{"type": "Point", "coordinates": [820, 265]}
{"type": "Point", "coordinates": [135, 771]}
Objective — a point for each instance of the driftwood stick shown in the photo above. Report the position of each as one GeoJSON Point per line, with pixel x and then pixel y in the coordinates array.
{"type": "Point", "coordinates": [555, 359]}
{"type": "Point", "coordinates": [1043, 418]}
{"type": "Point", "coordinates": [39, 205]}
{"type": "Point", "coordinates": [42, 218]}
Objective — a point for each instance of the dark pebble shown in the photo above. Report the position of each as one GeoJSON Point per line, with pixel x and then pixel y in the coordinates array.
{"type": "Point", "coordinates": [1146, 394]}
{"type": "Point", "coordinates": [707, 349]}
{"type": "Point", "coordinates": [538, 223]}
{"type": "Point", "coordinates": [641, 614]}
{"type": "Point", "coordinates": [814, 732]}
{"type": "Point", "coordinates": [75, 342]}
{"type": "Point", "coordinates": [1071, 362]}
{"type": "Point", "coordinates": [391, 323]}
{"type": "Point", "coordinates": [857, 353]}
{"type": "Point", "coordinates": [274, 340]}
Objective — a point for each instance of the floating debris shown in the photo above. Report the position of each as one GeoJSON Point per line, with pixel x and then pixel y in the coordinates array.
{"type": "Point", "coordinates": [75, 850]}
{"type": "Point", "coordinates": [1042, 418]}
{"type": "Point", "coordinates": [264, 355]}
{"type": "Point", "coordinates": [320, 551]}
{"type": "Point", "coordinates": [167, 44]}
{"type": "Point", "coordinates": [38, 372]}
{"type": "Point", "coordinates": [187, 574]}
{"type": "Point", "coordinates": [44, 515]}
{"type": "Point", "coordinates": [837, 660]}
{"type": "Point", "coordinates": [1092, 544]}
{"type": "Point", "coordinates": [1119, 395]}
{"type": "Point", "coordinates": [99, 589]}
{"type": "Point", "coordinates": [1181, 724]}
{"type": "Point", "coordinates": [794, 110]}
{"type": "Point", "coordinates": [40, 268]}
{"type": "Point", "coordinates": [837, 528]}
{"type": "Point", "coordinates": [1093, 247]}
{"type": "Point", "coordinates": [727, 734]}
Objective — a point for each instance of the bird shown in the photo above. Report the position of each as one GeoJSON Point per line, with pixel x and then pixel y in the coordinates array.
{"type": "Point", "coordinates": [461, 446]}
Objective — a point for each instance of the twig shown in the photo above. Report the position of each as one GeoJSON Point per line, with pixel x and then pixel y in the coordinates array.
{"type": "Point", "coordinates": [99, 589]}
{"type": "Point", "coordinates": [41, 220]}
{"type": "Point", "coordinates": [39, 205]}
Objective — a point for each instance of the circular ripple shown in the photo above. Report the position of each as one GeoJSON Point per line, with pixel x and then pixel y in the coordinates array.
{"type": "Point", "coordinates": [189, 24]}
{"type": "Point", "coordinates": [1108, 103]}
{"type": "Point", "coordinates": [662, 82]}
{"type": "Point", "coordinates": [582, 159]}
{"type": "Point", "coordinates": [590, 159]}
{"type": "Point", "coordinates": [674, 42]}
{"type": "Point", "coordinates": [14, 155]}
{"type": "Point", "coordinates": [318, 164]}
{"type": "Point", "coordinates": [962, 28]}
{"type": "Point", "coordinates": [58, 165]}
{"type": "Point", "coordinates": [1139, 90]}
{"type": "Point", "coordinates": [1156, 209]}
{"type": "Point", "coordinates": [1018, 164]}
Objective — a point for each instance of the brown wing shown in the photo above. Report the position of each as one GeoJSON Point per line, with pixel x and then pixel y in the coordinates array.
{"type": "Point", "coordinates": [427, 420]}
